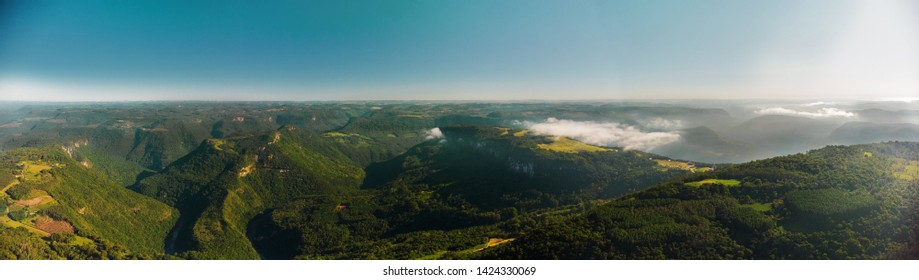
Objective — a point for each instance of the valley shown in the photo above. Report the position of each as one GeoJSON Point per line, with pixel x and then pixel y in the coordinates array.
{"type": "Point", "coordinates": [444, 180]}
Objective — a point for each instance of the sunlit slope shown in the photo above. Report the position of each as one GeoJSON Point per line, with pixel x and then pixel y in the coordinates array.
{"type": "Point", "coordinates": [447, 197]}
{"type": "Point", "coordinates": [225, 182]}
{"type": "Point", "coordinates": [49, 183]}
{"type": "Point", "coordinates": [491, 167]}
{"type": "Point", "coordinates": [831, 203]}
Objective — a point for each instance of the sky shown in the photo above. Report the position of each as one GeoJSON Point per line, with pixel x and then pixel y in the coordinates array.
{"type": "Point", "coordinates": [458, 50]}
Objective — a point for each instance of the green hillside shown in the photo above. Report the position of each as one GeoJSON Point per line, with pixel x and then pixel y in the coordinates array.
{"type": "Point", "coordinates": [225, 182]}
{"type": "Point", "coordinates": [445, 196]}
{"type": "Point", "coordinates": [832, 203]}
{"type": "Point", "coordinates": [445, 180]}
{"type": "Point", "coordinates": [50, 183]}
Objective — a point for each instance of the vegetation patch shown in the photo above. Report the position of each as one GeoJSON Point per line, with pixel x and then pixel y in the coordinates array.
{"type": "Point", "coordinates": [246, 170]}
{"type": "Point", "coordinates": [521, 133]}
{"type": "Point", "coordinates": [415, 116]}
{"type": "Point", "coordinates": [6, 221]}
{"type": "Point", "coordinates": [829, 201]}
{"type": "Point", "coordinates": [34, 193]}
{"type": "Point", "coordinates": [567, 145]}
{"type": "Point", "coordinates": [216, 143]}
{"type": "Point", "coordinates": [31, 170]}
{"type": "Point", "coordinates": [723, 182]}
{"type": "Point", "coordinates": [35, 201]}
{"type": "Point", "coordinates": [52, 226]}
{"type": "Point", "coordinates": [672, 164]}
{"type": "Point", "coordinates": [905, 169]}
{"type": "Point", "coordinates": [340, 134]}
{"type": "Point", "coordinates": [759, 207]}
{"type": "Point", "coordinates": [669, 164]}
{"type": "Point", "coordinates": [492, 242]}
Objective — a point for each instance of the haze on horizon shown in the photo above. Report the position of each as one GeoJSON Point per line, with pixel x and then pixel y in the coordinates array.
{"type": "Point", "coordinates": [458, 50]}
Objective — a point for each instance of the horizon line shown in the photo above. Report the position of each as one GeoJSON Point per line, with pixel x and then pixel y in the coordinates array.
{"type": "Point", "coordinates": [467, 100]}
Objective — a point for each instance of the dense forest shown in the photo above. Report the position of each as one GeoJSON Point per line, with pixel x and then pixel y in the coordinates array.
{"type": "Point", "coordinates": [838, 202]}
{"type": "Point", "coordinates": [362, 180]}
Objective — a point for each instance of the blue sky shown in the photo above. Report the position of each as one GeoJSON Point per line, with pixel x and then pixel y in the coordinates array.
{"type": "Point", "coordinates": [325, 50]}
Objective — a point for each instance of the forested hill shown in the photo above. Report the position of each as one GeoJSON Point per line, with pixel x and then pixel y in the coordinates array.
{"type": "Point", "coordinates": [435, 181]}
{"type": "Point", "coordinates": [856, 202]}
{"type": "Point", "coordinates": [293, 194]}
{"type": "Point", "coordinates": [56, 206]}
{"type": "Point", "coordinates": [225, 182]}
{"type": "Point", "coordinates": [494, 167]}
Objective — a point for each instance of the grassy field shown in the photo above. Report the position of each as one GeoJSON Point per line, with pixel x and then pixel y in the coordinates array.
{"type": "Point", "coordinates": [8, 186]}
{"type": "Point", "coordinates": [415, 116]}
{"type": "Point", "coordinates": [759, 207]}
{"type": "Point", "coordinates": [490, 243]}
{"type": "Point", "coordinates": [905, 170]}
{"type": "Point", "coordinates": [77, 240]}
{"type": "Point", "coordinates": [672, 164]}
{"type": "Point", "coordinates": [34, 193]}
{"type": "Point", "coordinates": [37, 200]}
{"type": "Point", "coordinates": [495, 242]}
{"type": "Point", "coordinates": [6, 221]}
{"type": "Point", "coordinates": [723, 182]}
{"type": "Point", "coordinates": [216, 143]}
{"type": "Point", "coordinates": [667, 164]}
{"type": "Point", "coordinates": [339, 134]}
{"type": "Point", "coordinates": [32, 170]}
{"type": "Point", "coordinates": [566, 145]}
{"type": "Point", "coordinates": [521, 133]}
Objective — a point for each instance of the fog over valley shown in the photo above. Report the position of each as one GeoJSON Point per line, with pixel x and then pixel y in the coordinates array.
{"type": "Point", "coordinates": [460, 130]}
{"type": "Point", "coordinates": [720, 132]}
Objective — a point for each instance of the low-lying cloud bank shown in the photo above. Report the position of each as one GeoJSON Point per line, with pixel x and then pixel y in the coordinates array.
{"type": "Point", "coordinates": [434, 133]}
{"type": "Point", "coordinates": [662, 124]}
{"type": "Point", "coordinates": [822, 113]}
{"type": "Point", "coordinates": [818, 103]}
{"type": "Point", "coordinates": [604, 134]}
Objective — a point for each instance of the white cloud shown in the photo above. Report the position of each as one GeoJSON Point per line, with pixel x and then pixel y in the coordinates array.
{"type": "Point", "coordinates": [434, 133]}
{"type": "Point", "coordinates": [818, 103]}
{"type": "Point", "coordinates": [603, 134]}
{"type": "Point", "coordinates": [662, 124]}
{"type": "Point", "coordinates": [822, 113]}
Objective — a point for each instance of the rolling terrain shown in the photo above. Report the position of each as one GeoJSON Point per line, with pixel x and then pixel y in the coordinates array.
{"type": "Point", "coordinates": [429, 180]}
{"type": "Point", "coordinates": [855, 202]}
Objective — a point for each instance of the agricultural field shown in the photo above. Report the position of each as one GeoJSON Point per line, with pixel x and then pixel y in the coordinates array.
{"type": "Point", "coordinates": [567, 145]}
{"type": "Point", "coordinates": [339, 134]}
{"type": "Point", "coordinates": [7, 222]}
{"type": "Point", "coordinates": [31, 170]}
{"type": "Point", "coordinates": [758, 207]}
{"type": "Point", "coordinates": [490, 243]}
{"type": "Point", "coordinates": [28, 201]}
{"type": "Point", "coordinates": [669, 164]}
{"type": "Point", "coordinates": [723, 182]}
